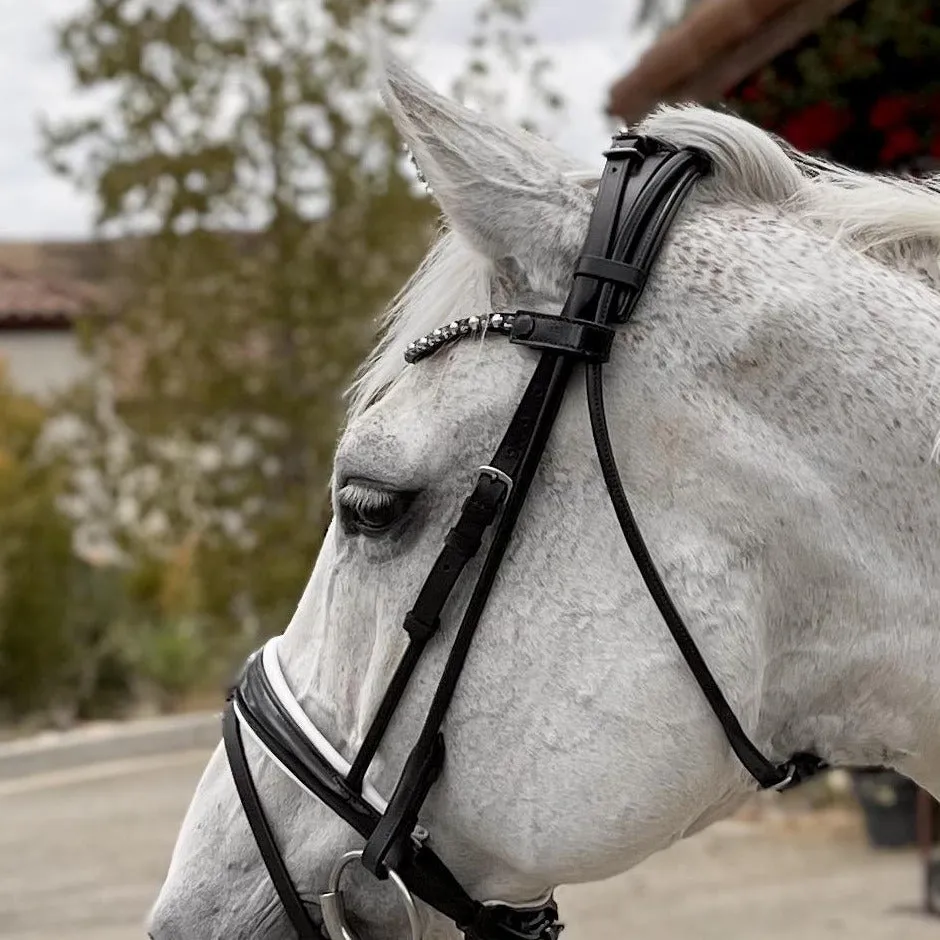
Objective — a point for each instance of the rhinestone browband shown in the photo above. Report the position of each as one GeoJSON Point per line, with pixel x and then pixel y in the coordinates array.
{"type": "Point", "coordinates": [500, 323]}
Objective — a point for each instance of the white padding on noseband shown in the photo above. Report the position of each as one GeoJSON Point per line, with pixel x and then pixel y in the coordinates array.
{"type": "Point", "coordinates": [272, 668]}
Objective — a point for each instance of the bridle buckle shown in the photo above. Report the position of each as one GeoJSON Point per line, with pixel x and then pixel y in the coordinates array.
{"type": "Point", "coordinates": [487, 471]}
{"type": "Point", "coordinates": [787, 781]}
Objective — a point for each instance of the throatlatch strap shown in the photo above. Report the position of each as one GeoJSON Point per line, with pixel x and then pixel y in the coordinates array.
{"type": "Point", "coordinates": [640, 241]}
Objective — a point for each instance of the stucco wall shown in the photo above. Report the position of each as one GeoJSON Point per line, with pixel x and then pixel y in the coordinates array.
{"type": "Point", "coordinates": [41, 361]}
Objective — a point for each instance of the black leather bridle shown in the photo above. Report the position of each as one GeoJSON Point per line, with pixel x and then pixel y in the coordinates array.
{"type": "Point", "coordinates": [643, 185]}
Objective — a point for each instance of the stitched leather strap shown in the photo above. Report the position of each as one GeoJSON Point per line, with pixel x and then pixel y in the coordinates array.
{"type": "Point", "coordinates": [478, 513]}
{"type": "Point", "coordinates": [516, 458]}
{"type": "Point", "coordinates": [261, 829]}
{"type": "Point", "coordinates": [640, 240]}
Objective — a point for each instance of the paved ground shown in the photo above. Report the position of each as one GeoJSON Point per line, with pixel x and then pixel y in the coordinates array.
{"type": "Point", "coordinates": [83, 852]}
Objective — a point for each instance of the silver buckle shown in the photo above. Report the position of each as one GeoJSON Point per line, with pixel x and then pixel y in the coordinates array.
{"type": "Point", "coordinates": [787, 780]}
{"type": "Point", "coordinates": [334, 911]}
{"type": "Point", "coordinates": [487, 471]}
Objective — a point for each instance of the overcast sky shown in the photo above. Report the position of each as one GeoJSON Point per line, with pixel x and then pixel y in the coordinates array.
{"type": "Point", "coordinates": [588, 41]}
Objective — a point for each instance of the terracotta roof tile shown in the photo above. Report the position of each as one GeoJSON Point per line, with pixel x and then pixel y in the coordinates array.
{"type": "Point", "coordinates": [32, 301]}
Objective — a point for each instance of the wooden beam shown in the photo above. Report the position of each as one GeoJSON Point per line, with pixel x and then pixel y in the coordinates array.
{"type": "Point", "coordinates": [708, 53]}
{"type": "Point", "coordinates": [775, 37]}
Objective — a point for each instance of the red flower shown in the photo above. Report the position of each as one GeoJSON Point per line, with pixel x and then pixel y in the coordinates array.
{"type": "Point", "coordinates": [901, 142]}
{"type": "Point", "coordinates": [932, 105]}
{"type": "Point", "coordinates": [815, 127]}
{"type": "Point", "coordinates": [751, 92]}
{"type": "Point", "coordinates": [890, 111]}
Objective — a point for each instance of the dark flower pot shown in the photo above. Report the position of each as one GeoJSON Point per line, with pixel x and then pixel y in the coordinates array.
{"type": "Point", "coordinates": [889, 804]}
{"type": "Point", "coordinates": [932, 873]}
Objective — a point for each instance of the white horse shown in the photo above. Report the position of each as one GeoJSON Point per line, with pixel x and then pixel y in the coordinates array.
{"type": "Point", "coordinates": [774, 403]}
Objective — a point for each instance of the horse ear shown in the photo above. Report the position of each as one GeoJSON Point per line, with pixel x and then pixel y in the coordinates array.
{"type": "Point", "coordinates": [509, 193]}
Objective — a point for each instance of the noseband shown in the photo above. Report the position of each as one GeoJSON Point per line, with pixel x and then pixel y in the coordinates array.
{"type": "Point", "coordinates": [643, 185]}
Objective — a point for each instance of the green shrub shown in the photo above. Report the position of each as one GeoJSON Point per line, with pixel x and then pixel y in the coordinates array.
{"type": "Point", "coordinates": [171, 657]}
{"type": "Point", "coordinates": [36, 561]}
{"type": "Point", "coordinates": [59, 652]}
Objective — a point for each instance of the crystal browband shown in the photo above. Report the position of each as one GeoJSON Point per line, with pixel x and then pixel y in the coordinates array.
{"type": "Point", "coordinates": [500, 323]}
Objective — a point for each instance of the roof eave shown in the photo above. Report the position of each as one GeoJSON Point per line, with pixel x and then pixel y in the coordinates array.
{"type": "Point", "coordinates": [31, 322]}
{"type": "Point", "coordinates": [728, 66]}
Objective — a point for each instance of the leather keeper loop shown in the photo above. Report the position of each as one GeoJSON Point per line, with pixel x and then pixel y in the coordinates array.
{"type": "Point", "coordinates": [420, 630]}
{"type": "Point", "coordinates": [610, 271]}
{"type": "Point", "coordinates": [588, 341]}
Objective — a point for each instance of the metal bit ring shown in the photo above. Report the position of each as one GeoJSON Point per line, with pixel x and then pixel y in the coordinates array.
{"type": "Point", "coordinates": [334, 911]}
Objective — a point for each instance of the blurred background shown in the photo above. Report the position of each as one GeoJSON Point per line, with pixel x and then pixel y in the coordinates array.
{"type": "Point", "coordinates": [203, 211]}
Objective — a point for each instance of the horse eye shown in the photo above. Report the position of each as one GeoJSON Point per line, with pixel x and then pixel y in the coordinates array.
{"type": "Point", "coordinates": [366, 509]}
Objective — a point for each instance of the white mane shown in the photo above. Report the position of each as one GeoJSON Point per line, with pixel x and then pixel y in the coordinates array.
{"type": "Point", "coordinates": [859, 209]}
{"type": "Point", "coordinates": [893, 219]}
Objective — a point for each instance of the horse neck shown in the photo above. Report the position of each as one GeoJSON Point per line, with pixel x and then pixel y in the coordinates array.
{"type": "Point", "coordinates": [853, 641]}
{"type": "Point", "coordinates": [814, 371]}
{"type": "Point", "coordinates": [852, 675]}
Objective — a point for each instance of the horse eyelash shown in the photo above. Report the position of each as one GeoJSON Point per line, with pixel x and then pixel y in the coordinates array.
{"type": "Point", "coordinates": [361, 498]}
